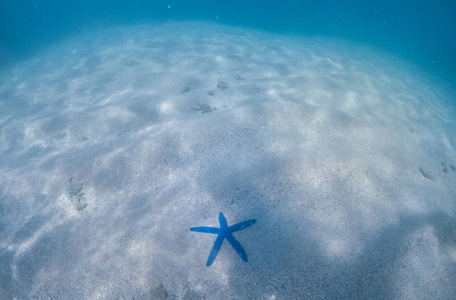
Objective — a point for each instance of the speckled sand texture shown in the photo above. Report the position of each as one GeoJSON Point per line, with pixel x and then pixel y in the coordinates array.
{"type": "Point", "coordinates": [337, 150]}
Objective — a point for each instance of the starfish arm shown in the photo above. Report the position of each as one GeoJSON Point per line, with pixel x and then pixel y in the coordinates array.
{"type": "Point", "coordinates": [222, 220]}
{"type": "Point", "coordinates": [215, 250]}
{"type": "Point", "coordinates": [242, 225]}
{"type": "Point", "coordinates": [206, 229]}
{"type": "Point", "coordinates": [237, 246]}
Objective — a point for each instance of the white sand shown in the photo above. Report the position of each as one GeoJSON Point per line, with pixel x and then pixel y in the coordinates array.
{"type": "Point", "coordinates": [320, 140]}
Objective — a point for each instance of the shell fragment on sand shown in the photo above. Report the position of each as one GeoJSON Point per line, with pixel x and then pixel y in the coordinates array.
{"type": "Point", "coordinates": [426, 174]}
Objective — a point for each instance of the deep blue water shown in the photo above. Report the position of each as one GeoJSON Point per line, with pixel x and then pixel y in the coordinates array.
{"type": "Point", "coordinates": [422, 31]}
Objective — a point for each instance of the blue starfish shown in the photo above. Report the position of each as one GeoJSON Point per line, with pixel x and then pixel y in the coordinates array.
{"type": "Point", "coordinates": [224, 232]}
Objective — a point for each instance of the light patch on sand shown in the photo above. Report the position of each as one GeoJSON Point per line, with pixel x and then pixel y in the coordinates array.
{"type": "Point", "coordinates": [167, 107]}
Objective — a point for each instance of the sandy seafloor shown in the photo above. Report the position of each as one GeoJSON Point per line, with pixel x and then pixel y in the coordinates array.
{"type": "Point", "coordinates": [344, 155]}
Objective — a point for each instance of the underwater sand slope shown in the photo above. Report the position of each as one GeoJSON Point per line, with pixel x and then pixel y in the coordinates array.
{"type": "Point", "coordinates": [114, 143]}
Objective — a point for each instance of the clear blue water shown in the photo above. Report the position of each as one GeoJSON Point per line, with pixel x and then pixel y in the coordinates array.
{"type": "Point", "coordinates": [423, 32]}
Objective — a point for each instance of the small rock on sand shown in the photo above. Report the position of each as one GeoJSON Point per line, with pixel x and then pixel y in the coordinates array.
{"type": "Point", "coordinates": [79, 206]}
{"type": "Point", "coordinates": [159, 292]}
